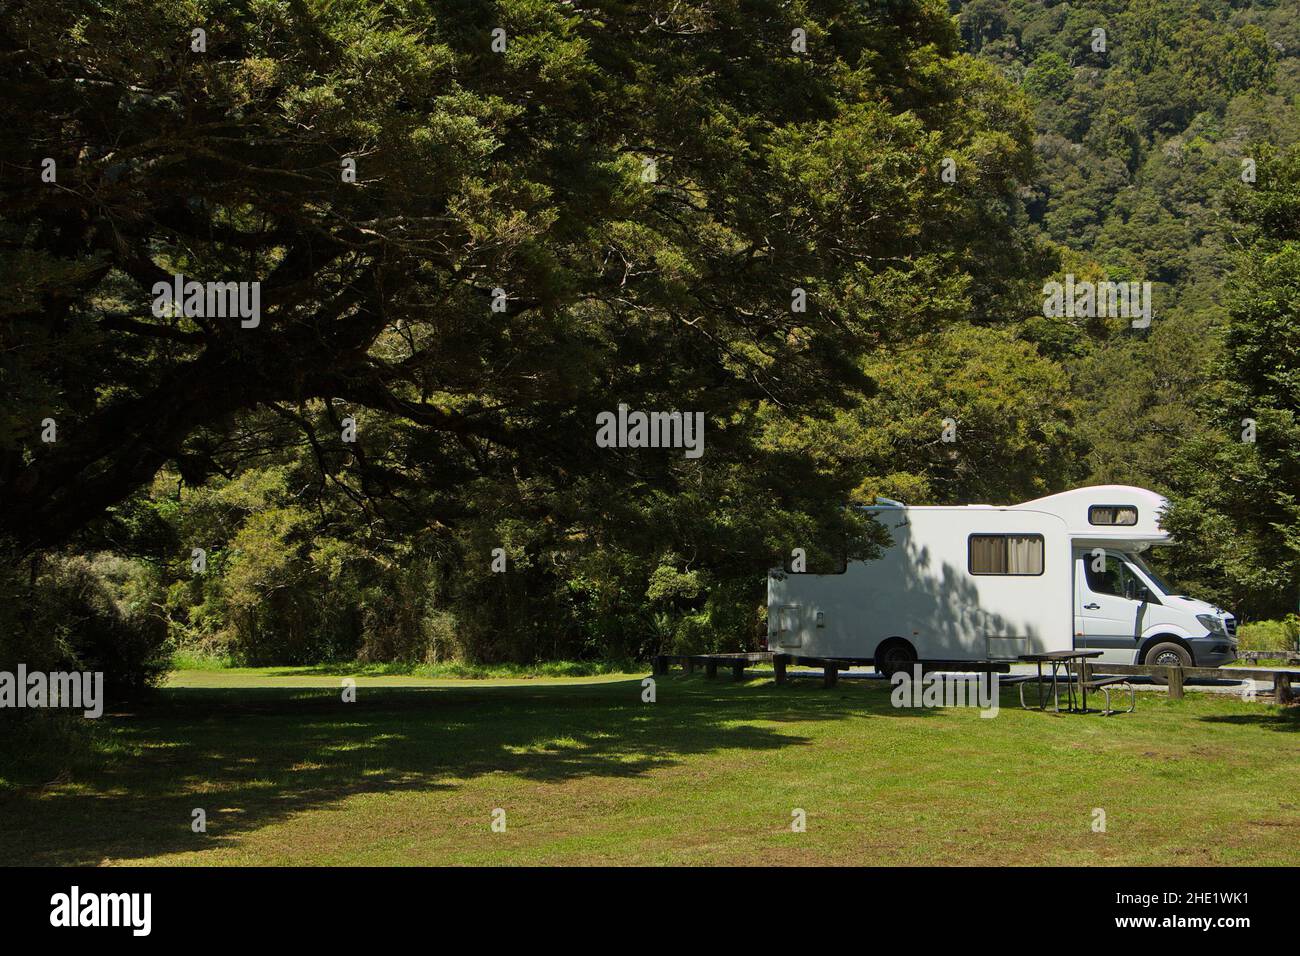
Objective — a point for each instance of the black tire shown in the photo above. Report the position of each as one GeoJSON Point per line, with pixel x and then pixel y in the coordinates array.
{"type": "Point", "coordinates": [895, 655]}
{"type": "Point", "coordinates": [1167, 652]}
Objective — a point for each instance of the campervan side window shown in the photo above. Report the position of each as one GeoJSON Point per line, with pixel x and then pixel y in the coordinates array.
{"type": "Point", "coordinates": [1112, 514]}
{"type": "Point", "coordinates": [1005, 554]}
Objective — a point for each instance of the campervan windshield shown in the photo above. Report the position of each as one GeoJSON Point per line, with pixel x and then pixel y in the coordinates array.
{"type": "Point", "coordinates": [1154, 578]}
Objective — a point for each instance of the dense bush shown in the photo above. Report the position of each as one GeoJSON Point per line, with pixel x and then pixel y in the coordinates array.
{"type": "Point", "coordinates": [85, 613]}
{"type": "Point", "coordinates": [282, 585]}
{"type": "Point", "coordinates": [1283, 635]}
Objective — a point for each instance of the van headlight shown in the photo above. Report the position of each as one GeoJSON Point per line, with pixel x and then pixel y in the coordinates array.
{"type": "Point", "coordinates": [1212, 624]}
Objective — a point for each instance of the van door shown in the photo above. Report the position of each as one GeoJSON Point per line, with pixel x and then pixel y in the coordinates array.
{"type": "Point", "coordinates": [1110, 622]}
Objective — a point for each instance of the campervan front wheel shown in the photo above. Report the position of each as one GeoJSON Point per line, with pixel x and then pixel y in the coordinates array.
{"type": "Point", "coordinates": [1167, 653]}
{"type": "Point", "coordinates": [895, 655]}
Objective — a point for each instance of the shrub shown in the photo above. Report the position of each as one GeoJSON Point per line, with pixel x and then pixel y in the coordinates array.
{"type": "Point", "coordinates": [94, 613]}
{"type": "Point", "coordinates": [1280, 635]}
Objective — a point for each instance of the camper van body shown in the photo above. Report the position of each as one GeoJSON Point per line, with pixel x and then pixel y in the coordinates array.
{"type": "Point", "coordinates": [979, 582]}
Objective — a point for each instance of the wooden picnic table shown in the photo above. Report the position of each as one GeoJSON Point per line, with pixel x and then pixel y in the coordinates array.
{"type": "Point", "coordinates": [1057, 660]}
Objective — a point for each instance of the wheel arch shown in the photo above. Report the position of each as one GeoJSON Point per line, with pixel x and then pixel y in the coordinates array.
{"type": "Point", "coordinates": [1162, 637]}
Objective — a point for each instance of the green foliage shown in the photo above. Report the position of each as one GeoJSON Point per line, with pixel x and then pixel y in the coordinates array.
{"type": "Point", "coordinates": [1239, 495]}
{"type": "Point", "coordinates": [1001, 397]}
{"type": "Point", "coordinates": [478, 170]}
{"type": "Point", "coordinates": [96, 612]}
{"type": "Point", "coordinates": [1283, 635]}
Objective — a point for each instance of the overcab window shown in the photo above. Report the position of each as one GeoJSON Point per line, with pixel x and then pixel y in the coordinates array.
{"type": "Point", "coordinates": [1112, 515]}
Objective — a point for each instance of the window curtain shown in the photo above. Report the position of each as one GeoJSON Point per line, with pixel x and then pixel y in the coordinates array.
{"type": "Point", "coordinates": [1024, 555]}
{"type": "Point", "coordinates": [988, 555]}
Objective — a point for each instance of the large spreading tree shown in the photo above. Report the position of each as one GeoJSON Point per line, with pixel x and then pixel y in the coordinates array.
{"type": "Point", "coordinates": [476, 225]}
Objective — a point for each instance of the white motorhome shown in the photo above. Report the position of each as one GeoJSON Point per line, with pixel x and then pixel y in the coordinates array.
{"type": "Point", "coordinates": [986, 583]}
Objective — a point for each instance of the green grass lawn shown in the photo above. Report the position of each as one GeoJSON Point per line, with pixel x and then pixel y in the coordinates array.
{"type": "Point", "coordinates": [588, 774]}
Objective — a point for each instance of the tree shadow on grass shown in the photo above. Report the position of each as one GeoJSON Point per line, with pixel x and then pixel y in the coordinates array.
{"type": "Point", "coordinates": [254, 756]}
{"type": "Point", "coordinates": [1284, 719]}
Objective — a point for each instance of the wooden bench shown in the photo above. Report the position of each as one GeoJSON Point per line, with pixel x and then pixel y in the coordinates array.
{"type": "Point", "coordinates": [1104, 685]}
{"type": "Point", "coordinates": [737, 662]}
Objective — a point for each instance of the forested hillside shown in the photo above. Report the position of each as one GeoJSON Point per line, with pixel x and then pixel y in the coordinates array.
{"type": "Point", "coordinates": [1139, 150]}
{"type": "Point", "coordinates": [1152, 157]}
{"type": "Point", "coordinates": [823, 225]}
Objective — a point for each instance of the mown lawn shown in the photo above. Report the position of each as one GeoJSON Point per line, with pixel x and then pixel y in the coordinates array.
{"type": "Point", "coordinates": [709, 774]}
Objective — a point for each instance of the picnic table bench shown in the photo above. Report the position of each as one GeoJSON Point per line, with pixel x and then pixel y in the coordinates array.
{"type": "Point", "coordinates": [1072, 661]}
{"type": "Point", "coordinates": [1104, 684]}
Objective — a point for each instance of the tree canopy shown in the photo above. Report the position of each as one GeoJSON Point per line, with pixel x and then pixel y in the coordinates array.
{"type": "Point", "coordinates": [522, 171]}
{"type": "Point", "coordinates": [476, 226]}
